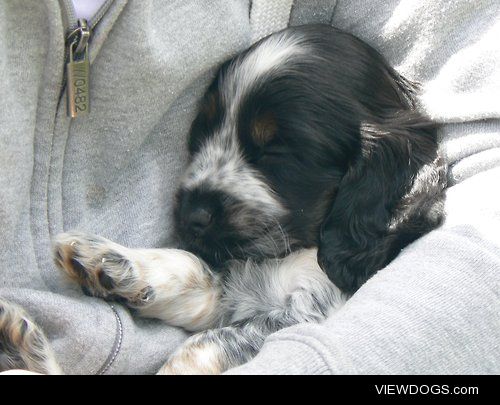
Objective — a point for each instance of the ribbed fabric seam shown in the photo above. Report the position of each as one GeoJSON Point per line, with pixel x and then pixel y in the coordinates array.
{"type": "Point", "coordinates": [117, 345]}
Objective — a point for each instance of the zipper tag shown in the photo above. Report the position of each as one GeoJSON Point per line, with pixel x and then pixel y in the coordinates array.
{"type": "Point", "coordinates": [78, 71]}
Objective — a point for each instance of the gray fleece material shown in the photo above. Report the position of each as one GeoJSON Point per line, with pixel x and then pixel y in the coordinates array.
{"type": "Point", "coordinates": [435, 309]}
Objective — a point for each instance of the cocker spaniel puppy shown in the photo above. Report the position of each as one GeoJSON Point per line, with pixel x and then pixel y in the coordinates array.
{"type": "Point", "coordinates": [310, 169]}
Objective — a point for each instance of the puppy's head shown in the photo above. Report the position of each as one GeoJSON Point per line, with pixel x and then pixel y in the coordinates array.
{"type": "Point", "coordinates": [276, 132]}
{"type": "Point", "coordinates": [255, 184]}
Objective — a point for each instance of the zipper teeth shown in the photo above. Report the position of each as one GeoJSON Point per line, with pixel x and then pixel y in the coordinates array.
{"type": "Point", "coordinates": [68, 15]}
{"type": "Point", "coordinates": [100, 13]}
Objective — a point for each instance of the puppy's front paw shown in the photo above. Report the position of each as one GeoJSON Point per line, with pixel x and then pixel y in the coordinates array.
{"type": "Point", "coordinates": [101, 267]}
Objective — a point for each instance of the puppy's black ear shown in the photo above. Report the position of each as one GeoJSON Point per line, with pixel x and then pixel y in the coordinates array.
{"type": "Point", "coordinates": [390, 195]}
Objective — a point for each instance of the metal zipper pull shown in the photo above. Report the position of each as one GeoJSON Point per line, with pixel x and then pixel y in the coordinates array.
{"type": "Point", "coordinates": [78, 69]}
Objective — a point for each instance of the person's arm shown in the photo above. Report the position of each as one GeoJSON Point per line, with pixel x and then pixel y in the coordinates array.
{"type": "Point", "coordinates": [434, 309]}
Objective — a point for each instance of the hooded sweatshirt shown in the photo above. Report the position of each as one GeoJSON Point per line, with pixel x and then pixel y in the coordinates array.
{"type": "Point", "coordinates": [113, 172]}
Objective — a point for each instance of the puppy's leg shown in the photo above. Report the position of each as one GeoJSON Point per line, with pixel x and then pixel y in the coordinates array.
{"type": "Point", "coordinates": [215, 351]}
{"type": "Point", "coordinates": [168, 284]}
{"type": "Point", "coordinates": [22, 344]}
{"type": "Point", "coordinates": [260, 298]}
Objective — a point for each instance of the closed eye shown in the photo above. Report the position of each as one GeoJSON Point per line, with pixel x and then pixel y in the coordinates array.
{"type": "Point", "coordinates": [270, 154]}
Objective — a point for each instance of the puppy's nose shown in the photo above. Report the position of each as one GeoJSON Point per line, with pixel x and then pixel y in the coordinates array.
{"type": "Point", "coordinates": [199, 220]}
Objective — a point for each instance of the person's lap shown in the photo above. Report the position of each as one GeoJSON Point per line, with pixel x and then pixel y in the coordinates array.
{"type": "Point", "coordinates": [433, 279]}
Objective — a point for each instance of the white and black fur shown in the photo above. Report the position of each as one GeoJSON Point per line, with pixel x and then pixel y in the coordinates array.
{"type": "Point", "coordinates": [307, 148]}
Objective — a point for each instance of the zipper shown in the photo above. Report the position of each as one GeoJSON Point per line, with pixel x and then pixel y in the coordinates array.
{"type": "Point", "coordinates": [78, 36]}
{"type": "Point", "coordinates": [77, 77]}
{"type": "Point", "coordinates": [78, 70]}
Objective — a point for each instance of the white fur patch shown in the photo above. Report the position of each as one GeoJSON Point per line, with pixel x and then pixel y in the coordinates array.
{"type": "Point", "coordinates": [269, 286]}
{"type": "Point", "coordinates": [270, 56]}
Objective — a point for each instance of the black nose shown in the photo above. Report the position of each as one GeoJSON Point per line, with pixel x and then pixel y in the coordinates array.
{"type": "Point", "coordinates": [199, 220]}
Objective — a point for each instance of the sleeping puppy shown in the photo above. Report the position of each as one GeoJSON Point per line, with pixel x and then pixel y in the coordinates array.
{"type": "Point", "coordinates": [309, 139]}
{"type": "Point", "coordinates": [307, 149]}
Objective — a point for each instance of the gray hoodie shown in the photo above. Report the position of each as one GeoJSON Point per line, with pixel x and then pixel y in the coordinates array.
{"type": "Point", "coordinates": [113, 172]}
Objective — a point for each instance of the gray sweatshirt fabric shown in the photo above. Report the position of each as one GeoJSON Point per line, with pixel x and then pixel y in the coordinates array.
{"type": "Point", "coordinates": [435, 309]}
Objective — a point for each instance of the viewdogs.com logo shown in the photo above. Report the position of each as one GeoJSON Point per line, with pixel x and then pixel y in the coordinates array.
{"type": "Point", "coordinates": [413, 389]}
